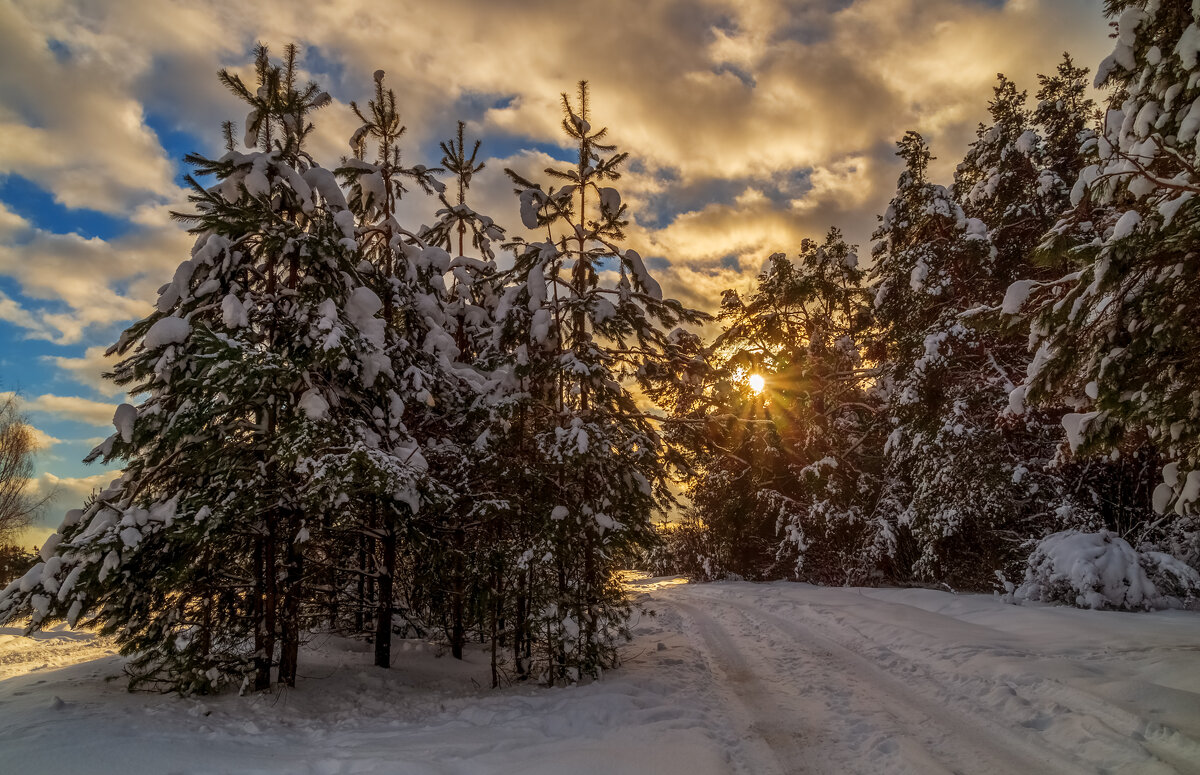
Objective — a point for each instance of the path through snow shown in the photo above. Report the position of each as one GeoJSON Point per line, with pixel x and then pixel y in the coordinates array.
{"type": "Point", "coordinates": [725, 678]}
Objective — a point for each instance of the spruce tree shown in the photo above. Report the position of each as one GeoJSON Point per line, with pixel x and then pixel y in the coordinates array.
{"type": "Point", "coordinates": [792, 469]}
{"type": "Point", "coordinates": [470, 550]}
{"type": "Point", "coordinates": [1114, 338]}
{"type": "Point", "coordinates": [429, 330]}
{"type": "Point", "coordinates": [950, 489]}
{"type": "Point", "coordinates": [1066, 117]}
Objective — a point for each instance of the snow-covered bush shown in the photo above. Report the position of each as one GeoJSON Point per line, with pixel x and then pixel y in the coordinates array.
{"type": "Point", "coordinates": [1102, 570]}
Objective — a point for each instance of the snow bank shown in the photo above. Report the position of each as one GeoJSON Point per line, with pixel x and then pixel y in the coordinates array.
{"type": "Point", "coordinates": [1102, 570]}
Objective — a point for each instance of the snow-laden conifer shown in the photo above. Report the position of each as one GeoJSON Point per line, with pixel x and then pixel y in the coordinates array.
{"type": "Point", "coordinates": [951, 488]}
{"type": "Point", "coordinates": [1114, 337]}
{"type": "Point", "coordinates": [791, 470]}
{"type": "Point", "coordinates": [253, 367]}
{"type": "Point", "coordinates": [582, 316]}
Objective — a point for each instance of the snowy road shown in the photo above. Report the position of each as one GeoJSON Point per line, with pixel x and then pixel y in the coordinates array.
{"type": "Point", "coordinates": [831, 681]}
{"type": "Point", "coordinates": [724, 678]}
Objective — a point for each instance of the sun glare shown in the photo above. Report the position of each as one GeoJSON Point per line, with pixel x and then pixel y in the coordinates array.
{"type": "Point", "coordinates": [756, 382]}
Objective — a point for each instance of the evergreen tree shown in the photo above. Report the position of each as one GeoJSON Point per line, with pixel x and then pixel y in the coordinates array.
{"type": "Point", "coordinates": [470, 545]}
{"type": "Point", "coordinates": [437, 333]}
{"type": "Point", "coordinates": [1066, 116]}
{"type": "Point", "coordinates": [794, 458]}
{"type": "Point", "coordinates": [255, 365]}
{"type": "Point", "coordinates": [582, 316]}
{"type": "Point", "coordinates": [15, 562]}
{"type": "Point", "coordinates": [1001, 184]}
{"type": "Point", "coordinates": [1114, 338]}
{"type": "Point", "coordinates": [954, 488]}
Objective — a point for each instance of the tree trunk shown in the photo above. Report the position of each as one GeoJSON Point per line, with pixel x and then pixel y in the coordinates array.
{"type": "Point", "coordinates": [458, 635]}
{"type": "Point", "coordinates": [360, 604]}
{"type": "Point", "coordinates": [384, 608]}
{"type": "Point", "coordinates": [265, 601]}
{"type": "Point", "coordinates": [290, 624]}
{"type": "Point", "coordinates": [495, 599]}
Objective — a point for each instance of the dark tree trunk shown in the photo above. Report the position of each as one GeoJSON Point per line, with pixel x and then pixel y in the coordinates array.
{"type": "Point", "coordinates": [360, 604]}
{"type": "Point", "coordinates": [458, 635]}
{"type": "Point", "coordinates": [265, 600]}
{"type": "Point", "coordinates": [290, 624]}
{"type": "Point", "coordinates": [384, 607]}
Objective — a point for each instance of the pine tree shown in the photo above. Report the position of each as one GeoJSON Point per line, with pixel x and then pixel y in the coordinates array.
{"type": "Point", "coordinates": [1000, 183]}
{"type": "Point", "coordinates": [951, 489]}
{"type": "Point", "coordinates": [582, 316]}
{"type": "Point", "coordinates": [435, 390]}
{"type": "Point", "coordinates": [471, 543]}
{"type": "Point", "coordinates": [794, 459]}
{"type": "Point", "coordinates": [254, 365]}
{"type": "Point", "coordinates": [1066, 116]}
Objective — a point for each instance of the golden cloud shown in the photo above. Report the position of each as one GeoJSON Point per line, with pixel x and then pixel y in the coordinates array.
{"type": "Point", "coordinates": [82, 410]}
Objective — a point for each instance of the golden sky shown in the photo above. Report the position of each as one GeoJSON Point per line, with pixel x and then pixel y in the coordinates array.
{"type": "Point", "coordinates": [751, 126]}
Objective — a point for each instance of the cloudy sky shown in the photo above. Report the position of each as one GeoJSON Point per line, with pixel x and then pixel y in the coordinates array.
{"type": "Point", "coordinates": [751, 124]}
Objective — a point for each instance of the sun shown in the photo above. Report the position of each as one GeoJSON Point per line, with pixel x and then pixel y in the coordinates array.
{"type": "Point", "coordinates": [756, 382]}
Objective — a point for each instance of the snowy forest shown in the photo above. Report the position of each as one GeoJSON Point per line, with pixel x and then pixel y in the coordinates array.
{"type": "Point", "coordinates": [344, 422]}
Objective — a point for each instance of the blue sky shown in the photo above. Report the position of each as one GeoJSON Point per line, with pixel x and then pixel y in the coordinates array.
{"type": "Point", "coordinates": [751, 126]}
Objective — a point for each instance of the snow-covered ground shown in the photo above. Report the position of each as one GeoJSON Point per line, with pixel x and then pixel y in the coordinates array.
{"type": "Point", "coordinates": [725, 678]}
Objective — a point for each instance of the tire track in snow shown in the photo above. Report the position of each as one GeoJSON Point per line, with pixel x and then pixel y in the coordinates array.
{"type": "Point", "coordinates": [771, 732]}
{"type": "Point", "coordinates": [862, 709]}
{"type": "Point", "coordinates": [1060, 717]}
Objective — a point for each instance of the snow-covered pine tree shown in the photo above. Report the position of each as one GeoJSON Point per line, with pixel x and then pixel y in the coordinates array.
{"type": "Point", "coordinates": [254, 365]}
{"type": "Point", "coordinates": [472, 555]}
{"type": "Point", "coordinates": [582, 316]}
{"type": "Point", "coordinates": [796, 459]}
{"type": "Point", "coordinates": [1000, 183]}
{"type": "Point", "coordinates": [1011, 180]}
{"type": "Point", "coordinates": [1066, 117]}
{"type": "Point", "coordinates": [435, 392]}
{"type": "Point", "coordinates": [814, 320]}
{"type": "Point", "coordinates": [949, 487]}
{"type": "Point", "coordinates": [1087, 492]}
{"type": "Point", "coordinates": [1115, 339]}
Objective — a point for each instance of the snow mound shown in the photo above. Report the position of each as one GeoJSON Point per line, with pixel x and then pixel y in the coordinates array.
{"type": "Point", "coordinates": [1102, 570]}
{"type": "Point", "coordinates": [168, 330]}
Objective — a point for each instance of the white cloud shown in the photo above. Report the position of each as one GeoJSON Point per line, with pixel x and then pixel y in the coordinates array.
{"type": "Point", "coordinates": [73, 488]}
{"type": "Point", "coordinates": [89, 369]}
{"type": "Point", "coordinates": [41, 440]}
{"type": "Point", "coordinates": [775, 118]}
{"type": "Point", "coordinates": [89, 281]}
{"type": "Point", "coordinates": [82, 410]}
{"type": "Point", "coordinates": [833, 84]}
{"type": "Point", "coordinates": [75, 125]}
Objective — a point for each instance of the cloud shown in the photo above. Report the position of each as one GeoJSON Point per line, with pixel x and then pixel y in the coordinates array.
{"type": "Point", "coordinates": [11, 224]}
{"type": "Point", "coordinates": [41, 440]}
{"type": "Point", "coordinates": [89, 369]}
{"type": "Point", "coordinates": [11, 311]}
{"type": "Point", "coordinates": [753, 124]}
{"type": "Point", "coordinates": [701, 93]}
{"type": "Point", "coordinates": [73, 488]}
{"type": "Point", "coordinates": [73, 124]}
{"type": "Point", "coordinates": [88, 282]}
{"type": "Point", "coordinates": [82, 410]}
